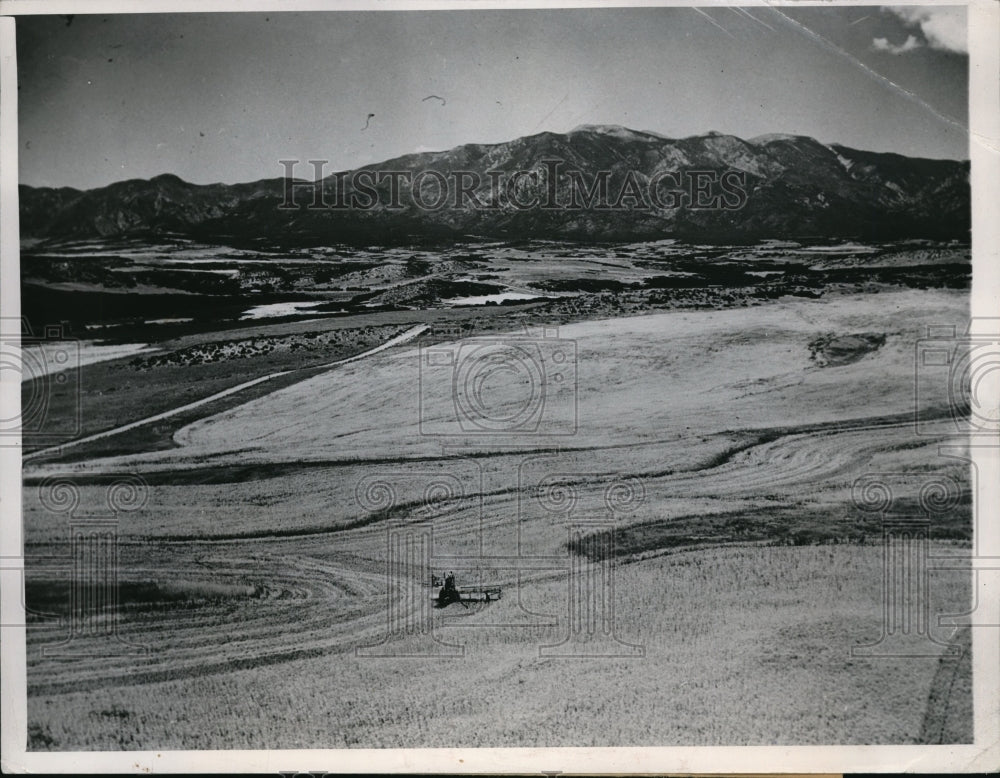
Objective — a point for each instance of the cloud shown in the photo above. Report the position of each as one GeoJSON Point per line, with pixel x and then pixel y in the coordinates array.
{"type": "Point", "coordinates": [882, 44]}
{"type": "Point", "coordinates": [944, 28]}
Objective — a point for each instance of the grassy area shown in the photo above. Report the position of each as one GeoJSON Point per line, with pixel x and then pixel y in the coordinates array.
{"type": "Point", "coordinates": [726, 574]}
{"type": "Point", "coordinates": [121, 391]}
{"type": "Point", "coordinates": [742, 646]}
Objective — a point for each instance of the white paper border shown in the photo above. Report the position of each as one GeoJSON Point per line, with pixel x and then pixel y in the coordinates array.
{"type": "Point", "coordinates": [984, 755]}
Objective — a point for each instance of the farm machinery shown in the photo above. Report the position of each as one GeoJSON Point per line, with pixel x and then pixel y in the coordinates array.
{"type": "Point", "coordinates": [449, 592]}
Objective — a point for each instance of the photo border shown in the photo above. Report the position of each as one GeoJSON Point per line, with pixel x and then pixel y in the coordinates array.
{"type": "Point", "coordinates": [983, 755]}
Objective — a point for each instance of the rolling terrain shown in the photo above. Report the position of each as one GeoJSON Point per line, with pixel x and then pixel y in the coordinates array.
{"type": "Point", "coordinates": [709, 473]}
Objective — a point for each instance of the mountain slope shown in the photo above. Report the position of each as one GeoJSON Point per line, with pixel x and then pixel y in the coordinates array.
{"type": "Point", "coordinates": [713, 187]}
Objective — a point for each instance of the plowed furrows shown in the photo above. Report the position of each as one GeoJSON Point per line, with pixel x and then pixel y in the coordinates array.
{"type": "Point", "coordinates": [805, 459]}
{"type": "Point", "coordinates": [222, 636]}
{"type": "Point", "coordinates": [791, 461]}
{"type": "Point", "coordinates": [218, 652]}
{"type": "Point", "coordinates": [801, 459]}
{"type": "Point", "coordinates": [311, 612]}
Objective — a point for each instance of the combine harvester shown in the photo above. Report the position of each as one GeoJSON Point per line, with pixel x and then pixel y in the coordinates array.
{"type": "Point", "coordinates": [450, 593]}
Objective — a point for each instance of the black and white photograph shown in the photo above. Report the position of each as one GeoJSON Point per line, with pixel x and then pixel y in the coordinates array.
{"type": "Point", "coordinates": [618, 380]}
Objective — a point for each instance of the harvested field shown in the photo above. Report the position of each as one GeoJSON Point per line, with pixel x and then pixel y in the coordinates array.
{"type": "Point", "coordinates": [711, 475]}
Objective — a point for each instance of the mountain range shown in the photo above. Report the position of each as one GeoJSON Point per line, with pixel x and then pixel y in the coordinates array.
{"type": "Point", "coordinates": [779, 186]}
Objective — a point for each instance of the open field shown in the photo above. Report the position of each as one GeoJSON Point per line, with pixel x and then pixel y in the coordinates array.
{"type": "Point", "coordinates": [709, 472]}
{"type": "Point", "coordinates": [743, 646]}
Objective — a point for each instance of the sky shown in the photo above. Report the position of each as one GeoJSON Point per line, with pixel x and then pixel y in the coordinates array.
{"type": "Point", "coordinates": [226, 97]}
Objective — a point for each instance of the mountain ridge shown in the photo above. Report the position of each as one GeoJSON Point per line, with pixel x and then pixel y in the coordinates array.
{"type": "Point", "coordinates": [779, 185]}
